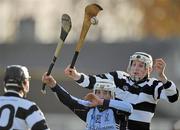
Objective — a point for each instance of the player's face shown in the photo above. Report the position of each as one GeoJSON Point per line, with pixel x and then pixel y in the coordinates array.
{"type": "Point", "coordinates": [103, 94]}
{"type": "Point", "coordinates": [138, 69]}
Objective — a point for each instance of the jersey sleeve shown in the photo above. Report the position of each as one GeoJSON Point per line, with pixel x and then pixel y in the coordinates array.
{"type": "Point", "coordinates": [119, 105]}
{"type": "Point", "coordinates": [88, 81]}
{"type": "Point", "coordinates": [167, 91]}
{"type": "Point", "coordinates": [78, 106]}
{"type": "Point", "coordinates": [35, 118]}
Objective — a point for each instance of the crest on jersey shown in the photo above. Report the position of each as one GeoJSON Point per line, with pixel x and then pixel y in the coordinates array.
{"type": "Point", "coordinates": [125, 88]}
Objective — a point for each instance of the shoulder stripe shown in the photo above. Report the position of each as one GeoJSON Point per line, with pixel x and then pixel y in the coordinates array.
{"type": "Point", "coordinates": [23, 113]}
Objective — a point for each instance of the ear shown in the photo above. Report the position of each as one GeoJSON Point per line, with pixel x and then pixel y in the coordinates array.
{"type": "Point", "coordinates": [25, 85]}
{"type": "Point", "coordinates": [24, 82]}
{"type": "Point", "coordinates": [150, 69]}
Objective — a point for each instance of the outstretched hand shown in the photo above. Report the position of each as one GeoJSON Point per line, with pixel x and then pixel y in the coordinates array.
{"type": "Point", "coordinates": [159, 67]}
{"type": "Point", "coordinates": [95, 100]}
{"type": "Point", "coordinates": [72, 73]}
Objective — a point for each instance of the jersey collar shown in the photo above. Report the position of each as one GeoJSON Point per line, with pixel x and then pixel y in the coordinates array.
{"type": "Point", "coordinates": [12, 93]}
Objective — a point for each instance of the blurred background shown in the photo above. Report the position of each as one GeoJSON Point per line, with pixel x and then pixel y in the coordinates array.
{"type": "Point", "coordinates": [29, 32]}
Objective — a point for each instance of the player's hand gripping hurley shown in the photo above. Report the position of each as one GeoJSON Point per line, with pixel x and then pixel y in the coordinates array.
{"type": "Point", "coordinates": [91, 11]}
{"type": "Point", "coordinates": [65, 29]}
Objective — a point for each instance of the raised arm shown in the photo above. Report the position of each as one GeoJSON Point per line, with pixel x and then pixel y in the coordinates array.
{"type": "Point", "coordinates": [88, 81]}
{"type": "Point", "coordinates": [78, 106]}
{"type": "Point", "coordinates": [167, 89]}
{"type": "Point", "coordinates": [159, 67]}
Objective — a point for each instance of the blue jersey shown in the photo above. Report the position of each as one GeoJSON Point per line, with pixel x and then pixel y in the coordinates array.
{"type": "Point", "coordinates": [106, 117]}
{"type": "Point", "coordinates": [100, 120]}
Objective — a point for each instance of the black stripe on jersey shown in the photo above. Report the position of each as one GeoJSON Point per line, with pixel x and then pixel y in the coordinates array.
{"type": "Point", "coordinates": [148, 89]}
{"type": "Point", "coordinates": [137, 125]}
{"type": "Point", "coordinates": [21, 113]}
{"type": "Point", "coordinates": [174, 97]}
{"type": "Point", "coordinates": [81, 79]}
{"type": "Point", "coordinates": [32, 109]}
{"type": "Point", "coordinates": [92, 82]}
{"type": "Point", "coordinates": [41, 125]}
{"type": "Point", "coordinates": [159, 91]}
{"type": "Point", "coordinates": [136, 89]}
{"type": "Point", "coordinates": [102, 76]}
{"type": "Point", "coordinates": [24, 113]}
{"type": "Point", "coordinates": [167, 85]}
{"type": "Point", "coordinates": [114, 74]}
{"type": "Point", "coordinates": [133, 89]}
{"type": "Point", "coordinates": [118, 82]}
{"type": "Point", "coordinates": [153, 86]}
{"type": "Point", "coordinates": [145, 106]}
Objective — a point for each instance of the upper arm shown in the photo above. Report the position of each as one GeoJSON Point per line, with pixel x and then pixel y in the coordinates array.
{"type": "Point", "coordinates": [88, 81]}
{"type": "Point", "coordinates": [77, 106]}
{"type": "Point", "coordinates": [35, 118]}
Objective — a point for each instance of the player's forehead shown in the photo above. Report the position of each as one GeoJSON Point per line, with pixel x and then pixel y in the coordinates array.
{"type": "Point", "coordinates": [101, 90]}
{"type": "Point", "coordinates": [137, 62]}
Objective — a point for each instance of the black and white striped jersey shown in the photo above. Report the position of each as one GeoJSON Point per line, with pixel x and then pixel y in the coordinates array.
{"type": "Point", "coordinates": [17, 113]}
{"type": "Point", "coordinates": [143, 95]}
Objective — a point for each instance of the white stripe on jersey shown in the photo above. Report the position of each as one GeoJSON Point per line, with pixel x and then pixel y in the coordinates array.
{"type": "Point", "coordinates": [171, 90]}
{"type": "Point", "coordinates": [142, 116]}
{"type": "Point", "coordinates": [34, 117]}
{"type": "Point", "coordinates": [21, 124]}
{"type": "Point", "coordinates": [134, 98]}
{"type": "Point", "coordinates": [86, 81]}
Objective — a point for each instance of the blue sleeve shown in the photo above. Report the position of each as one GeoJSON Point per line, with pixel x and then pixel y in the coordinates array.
{"type": "Point", "coordinates": [121, 106]}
